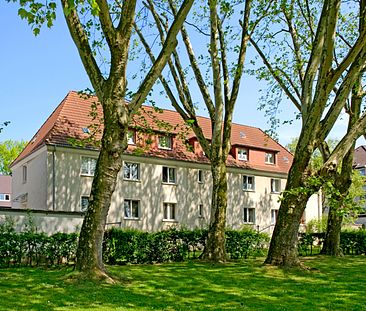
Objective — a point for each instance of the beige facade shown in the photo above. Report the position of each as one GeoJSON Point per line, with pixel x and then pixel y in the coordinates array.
{"type": "Point", "coordinates": [55, 182]}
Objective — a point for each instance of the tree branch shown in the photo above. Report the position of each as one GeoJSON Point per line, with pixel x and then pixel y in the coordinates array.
{"type": "Point", "coordinates": [106, 22]}
{"type": "Point", "coordinates": [168, 47]}
{"type": "Point", "coordinates": [196, 70]}
{"type": "Point", "coordinates": [82, 43]}
{"type": "Point", "coordinates": [276, 76]}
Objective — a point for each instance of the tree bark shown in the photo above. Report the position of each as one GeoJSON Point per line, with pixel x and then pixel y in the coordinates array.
{"type": "Point", "coordinates": [215, 247]}
{"type": "Point", "coordinates": [114, 142]}
{"type": "Point", "coordinates": [331, 244]}
{"type": "Point", "coordinates": [283, 247]}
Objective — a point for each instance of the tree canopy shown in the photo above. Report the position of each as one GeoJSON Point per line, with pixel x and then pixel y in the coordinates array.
{"type": "Point", "coordinates": [9, 150]}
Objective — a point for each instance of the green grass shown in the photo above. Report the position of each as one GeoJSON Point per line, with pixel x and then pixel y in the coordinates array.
{"type": "Point", "coordinates": [332, 284]}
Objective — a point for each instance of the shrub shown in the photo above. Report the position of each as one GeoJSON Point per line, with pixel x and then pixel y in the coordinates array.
{"type": "Point", "coordinates": [352, 242]}
{"type": "Point", "coordinates": [131, 246]}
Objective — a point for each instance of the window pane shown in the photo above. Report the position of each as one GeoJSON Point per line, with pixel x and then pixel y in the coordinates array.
{"type": "Point", "coordinates": [172, 211]}
{"type": "Point", "coordinates": [134, 171]}
{"type": "Point", "coordinates": [127, 208]}
{"type": "Point", "coordinates": [135, 209]}
{"type": "Point", "coordinates": [165, 142]}
{"type": "Point", "coordinates": [126, 171]}
{"type": "Point", "coordinates": [200, 176]}
{"type": "Point", "coordinates": [243, 154]}
{"type": "Point", "coordinates": [171, 175]}
{"type": "Point", "coordinates": [165, 174]}
{"type": "Point", "coordinates": [165, 211]}
{"type": "Point", "coordinates": [84, 203]}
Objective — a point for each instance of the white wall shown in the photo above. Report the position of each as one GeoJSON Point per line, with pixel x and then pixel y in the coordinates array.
{"type": "Point", "coordinates": [36, 185]}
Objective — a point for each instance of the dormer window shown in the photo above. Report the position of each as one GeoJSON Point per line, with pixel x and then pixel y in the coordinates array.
{"type": "Point", "coordinates": [131, 137]}
{"type": "Point", "coordinates": [165, 142]}
{"type": "Point", "coordinates": [269, 158]}
{"type": "Point", "coordinates": [243, 154]}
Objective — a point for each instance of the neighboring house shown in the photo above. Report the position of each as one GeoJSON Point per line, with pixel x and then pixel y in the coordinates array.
{"type": "Point", "coordinates": [5, 191]}
{"type": "Point", "coordinates": [166, 177]}
{"type": "Point", "coordinates": [359, 163]}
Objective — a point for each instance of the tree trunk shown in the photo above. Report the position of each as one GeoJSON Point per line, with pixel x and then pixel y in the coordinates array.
{"type": "Point", "coordinates": [283, 247]}
{"type": "Point", "coordinates": [215, 249]}
{"type": "Point", "coordinates": [89, 252]}
{"type": "Point", "coordinates": [331, 244]}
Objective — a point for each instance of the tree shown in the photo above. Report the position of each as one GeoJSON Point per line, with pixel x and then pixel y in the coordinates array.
{"type": "Point", "coordinates": [9, 150]}
{"type": "Point", "coordinates": [95, 25]}
{"type": "Point", "coordinates": [341, 194]}
{"type": "Point", "coordinates": [315, 58]}
{"type": "Point", "coordinates": [214, 23]}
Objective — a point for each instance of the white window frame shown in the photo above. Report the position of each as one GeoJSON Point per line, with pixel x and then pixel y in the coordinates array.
{"type": "Point", "coordinates": [246, 185]}
{"type": "Point", "coordinates": [275, 185]}
{"type": "Point", "coordinates": [249, 215]}
{"type": "Point", "coordinates": [270, 158]}
{"type": "Point", "coordinates": [90, 166]}
{"type": "Point", "coordinates": [243, 154]}
{"type": "Point", "coordinates": [84, 208]}
{"type": "Point", "coordinates": [25, 173]}
{"type": "Point", "coordinates": [130, 214]}
{"type": "Point", "coordinates": [165, 142]}
{"type": "Point", "coordinates": [4, 197]}
{"type": "Point", "coordinates": [200, 176]}
{"type": "Point", "coordinates": [274, 215]}
{"type": "Point", "coordinates": [168, 175]}
{"type": "Point", "coordinates": [127, 175]}
{"type": "Point", "coordinates": [131, 137]}
{"type": "Point", "coordinates": [169, 211]}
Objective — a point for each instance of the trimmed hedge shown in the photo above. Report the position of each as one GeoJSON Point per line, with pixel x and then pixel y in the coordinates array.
{"type": "Point", "coordinates": [30, 248]}
{"type": "Point", "coordinates": [131, 246]}
{"type": "Point", "coordinates": [352, 242]}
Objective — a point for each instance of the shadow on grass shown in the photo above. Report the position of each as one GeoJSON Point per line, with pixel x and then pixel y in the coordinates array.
{"type": "Point", "coordinates": [338, 284]}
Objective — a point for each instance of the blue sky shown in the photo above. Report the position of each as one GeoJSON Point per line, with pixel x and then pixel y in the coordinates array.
{"type": "Point", "coordinates": [37, 72]}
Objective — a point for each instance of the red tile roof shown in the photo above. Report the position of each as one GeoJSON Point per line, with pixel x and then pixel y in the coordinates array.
{"type": "Point", "coordinates": [70, 119]}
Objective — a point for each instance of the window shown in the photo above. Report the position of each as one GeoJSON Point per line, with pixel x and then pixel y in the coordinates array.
{"type": "Point", "coordinates": [169, 175]}
{"type": "Point", "coordinates": [25, 173]}
{"type": "Point", "coordinates": [275, 185]}
{"type": "Point", "coordinates": [131, 139]}
{"type": "Point", "coordinates": [274, 214]}
{"type": "Point", "coordinates": [165, 142]}
{"type": "Point", "coordinates": [4, 197]}
{"type": "Point", "coordinates": [169, 211]}
{"type": "Point", "coordinates": [362, 172]}
{"type": "Point", "coordinates": [200, 210]}
{"type": "Point", "coordinates": [131, 171]}
{"type": "Point", "coordinates": [84, 203]}
{"type": "Point", "coordinates": [243, 154]}
{"type": "Point", "coordinates": [249, 215]}
{"type": "Point", "coordinates": [248, 183]}
{"type": "Point", "coordinates": [200, 176]}
{"type": "Point", "coordinates": [131, 209]}
{"type": "Point", "coordinates": [88, 166]}
{"type": "Point", "coordinates": [270, 158]}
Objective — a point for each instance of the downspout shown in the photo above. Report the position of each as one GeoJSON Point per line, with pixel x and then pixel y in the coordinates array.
{"type": "Point", "coordinates": [53, 178]}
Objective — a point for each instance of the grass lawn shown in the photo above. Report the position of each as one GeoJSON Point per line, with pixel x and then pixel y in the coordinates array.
{"type": "Point", "coordinates": [333, 284]}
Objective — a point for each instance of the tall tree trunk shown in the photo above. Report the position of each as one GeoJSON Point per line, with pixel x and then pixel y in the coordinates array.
{"type": "Point", "coordinates": [331, 244]}
{"type": "Point", "coordinates": [283, 247]}
{"type": "Point", "coordinates": [89, 252]}
{"type": "Point", "coordinates": [215, 247]}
